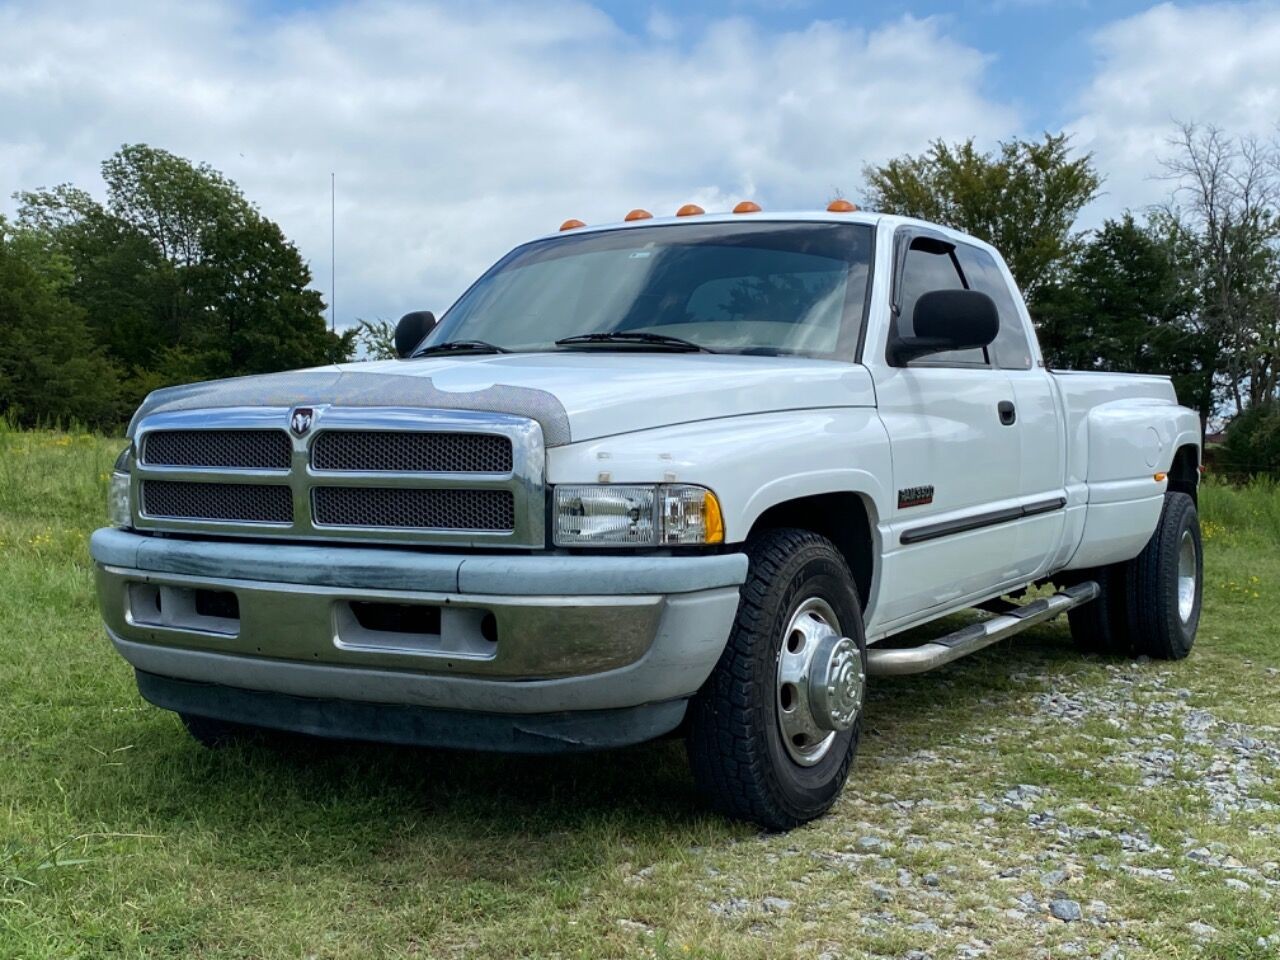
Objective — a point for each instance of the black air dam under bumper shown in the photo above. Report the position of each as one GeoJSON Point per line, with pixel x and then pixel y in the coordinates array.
{"type": "Point", "coordinates": [539, 733]}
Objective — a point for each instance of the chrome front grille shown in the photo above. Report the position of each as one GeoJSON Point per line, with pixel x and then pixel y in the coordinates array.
{"type": "Point", "coordinates": [239, 502]}
{"type": "Point", "coordinates": [397, 507]}
{"type": "Point", "coordinates": [246, 449]}
{"type": "Point", "coordinates": [381, 475]}
{"type": "Point", "coordinates": [412, 452]}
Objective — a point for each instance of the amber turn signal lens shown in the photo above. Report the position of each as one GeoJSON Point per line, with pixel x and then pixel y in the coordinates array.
{"type": "Point", "coordinates": [747, 206]}
{"type": "Point", "coordinates": [1161, 477]}
{"type": "Point", "coordinates": [689, 210]}
{"type": "Point", "coordinates": [841, 206]}
{"type": "Point", "coordinates": [712, 518]}
{"type": "Point", "coordinates": [572, 225]}
{"type": "Point", "coordinates": [638, 214]}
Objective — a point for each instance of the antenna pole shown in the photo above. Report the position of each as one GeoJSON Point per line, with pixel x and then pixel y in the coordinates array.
{"type": "Point", "coordinates": [333, 259]}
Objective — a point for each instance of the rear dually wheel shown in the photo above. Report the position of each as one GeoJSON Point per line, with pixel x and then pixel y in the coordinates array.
{"type": "Point", "coordinates": [1149, 605]}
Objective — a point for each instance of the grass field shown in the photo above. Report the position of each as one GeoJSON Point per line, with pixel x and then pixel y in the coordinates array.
{"type": "Point", "coordinates": [986, 796]}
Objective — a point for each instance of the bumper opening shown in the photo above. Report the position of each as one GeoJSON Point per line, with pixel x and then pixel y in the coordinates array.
{"type": "Point", "coordinates": [217, 603]}
{"type": "Point", "coordinates": [376, 625]}
{"type": "Point", "coordinates": [396, 617]}
{"type": "Point", "coordinates": [184, 608]}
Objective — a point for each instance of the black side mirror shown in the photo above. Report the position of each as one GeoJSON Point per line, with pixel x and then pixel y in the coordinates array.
{"type": "Point", "coordinates": [948, 320]}
{"type": "Point", "coordinates": [412, 330]}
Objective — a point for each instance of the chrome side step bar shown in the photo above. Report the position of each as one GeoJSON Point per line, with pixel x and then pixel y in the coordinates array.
{"type": "Point", "coordinates": [970, 639]}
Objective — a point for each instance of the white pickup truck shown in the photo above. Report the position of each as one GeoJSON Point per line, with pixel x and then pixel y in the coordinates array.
{"type": "Point", "coordinates": [664, 475]}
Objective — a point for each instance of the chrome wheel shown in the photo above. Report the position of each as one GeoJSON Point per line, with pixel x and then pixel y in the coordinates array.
{"type": "Point", "coordinates": [1186, 576]}
{"type": "Point", "coordinates": [820, 682]}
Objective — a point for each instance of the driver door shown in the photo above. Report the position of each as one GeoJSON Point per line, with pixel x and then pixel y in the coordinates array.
{"type": "Point", "coordinates": [955, 461]}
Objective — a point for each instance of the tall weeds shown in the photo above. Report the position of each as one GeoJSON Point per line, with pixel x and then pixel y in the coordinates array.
{"type": "Point", "coordinates": [1246, 512]}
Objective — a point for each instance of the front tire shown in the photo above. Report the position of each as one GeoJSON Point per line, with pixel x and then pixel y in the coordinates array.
{"type": "Point", "coordinates": [765, 745]}
{"type": "Point", "coordinates": [217, 734]}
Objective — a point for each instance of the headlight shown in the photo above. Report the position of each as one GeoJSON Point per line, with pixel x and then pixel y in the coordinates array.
{"type": "Point", "coordinates": [623, 515]}
{"type": "Point", "coordinates": [118, 512]}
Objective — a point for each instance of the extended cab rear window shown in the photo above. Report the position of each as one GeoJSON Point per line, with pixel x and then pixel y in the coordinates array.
{"type": "Point", "coordinates": [775, 288]}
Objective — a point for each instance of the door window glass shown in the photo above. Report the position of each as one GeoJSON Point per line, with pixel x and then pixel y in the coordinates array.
{"type": "Point", "coordinates": [1010, 349]}
{"type": "Point", "coordinates": [927, 267]}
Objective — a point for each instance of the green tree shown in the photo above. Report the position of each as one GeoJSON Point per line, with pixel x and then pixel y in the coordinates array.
{"type": "Point", "coordinates": [1023, 199]}
{"type": "Point", "coordinates": [176, 204]}
{"type": "Point", "coordinates": [259, 315]}
{"type": "Point", "coordinates": [51, 370]}
{"type": "Point", "coordinates": [179, 276]}
{"type": "Point", "coordinates": [120, 279]}
{"type": "Point", "coordinates": [1253, 443]}
{"type": "Point", "coordinates": [1128, 302]}
{"type": "Point", "coordinates": [376, 339]}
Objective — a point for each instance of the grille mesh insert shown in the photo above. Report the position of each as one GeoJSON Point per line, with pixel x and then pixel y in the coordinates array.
{"type": "Point", "coordinates": [245, 449]}
{"type": "Point", "coordinates": [419, 509]}
{"type": "Point", "coordinates": [237, 502]}
{"type": "Point", "coordinates": [414, 452]}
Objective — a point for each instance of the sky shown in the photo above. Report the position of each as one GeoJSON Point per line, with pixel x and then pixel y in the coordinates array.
{"type": "Point", "coordinates": [456, 130]}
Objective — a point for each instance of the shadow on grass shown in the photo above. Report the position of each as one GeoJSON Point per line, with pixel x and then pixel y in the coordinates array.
{"type": "Point", "coordinates": [358, 801]}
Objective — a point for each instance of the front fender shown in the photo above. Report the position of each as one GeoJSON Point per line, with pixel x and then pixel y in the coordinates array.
{"type": "Point", "coordinates": [752, 463]}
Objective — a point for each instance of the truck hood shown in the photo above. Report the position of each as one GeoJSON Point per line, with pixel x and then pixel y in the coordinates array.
{"type": "Point", "coordinates": [580, 395]}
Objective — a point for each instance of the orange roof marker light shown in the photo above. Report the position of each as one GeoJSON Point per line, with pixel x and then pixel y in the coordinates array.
{"type": "Point", "coordinates": [841, 205]}
{"type": "Point", "coordinates": [690, 210]}
{"type": "Point", "coordinates": [572, 225]}
{"type": "Point", "coordinates": [747, 206]}
{"type": "Point", "coordinates": [638, 214]}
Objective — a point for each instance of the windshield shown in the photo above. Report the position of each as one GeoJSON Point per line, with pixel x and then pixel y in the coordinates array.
{"type": "Point", "coordinates": [761, 288]}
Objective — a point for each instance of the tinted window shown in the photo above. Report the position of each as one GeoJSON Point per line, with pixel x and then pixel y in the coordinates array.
{"type": "Point", "coordinates": [924, 270]}
{"type": "Point", "coordinates": [1010, 349]}
{"type": "Point", "coordinates": [762, 287]}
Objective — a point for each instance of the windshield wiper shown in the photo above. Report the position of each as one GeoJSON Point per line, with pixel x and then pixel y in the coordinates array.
{"type": "Point", "coordinates": [462, 346]}
{"type": "Point", "coordinates": [637, 337]}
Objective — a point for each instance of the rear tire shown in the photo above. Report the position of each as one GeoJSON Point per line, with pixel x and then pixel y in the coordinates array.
{"type": "Point", "coordinates": [1101, 626]}
{"type": "Point", "coordinates": [1149, 605]}
{"type": "Point", "coordinates": [1165, 583]}
{"type": "Point", "coordinates": [739, 719]}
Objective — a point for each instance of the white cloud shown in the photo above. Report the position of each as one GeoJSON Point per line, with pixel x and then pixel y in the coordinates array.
{"type": "Point", "coordinates": [1207, 64]}
{"type": "Point", "coordinates": [458, 131]}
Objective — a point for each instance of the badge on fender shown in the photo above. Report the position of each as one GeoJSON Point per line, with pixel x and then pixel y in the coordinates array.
{"type": "Point", "coordinates": [915, 496]}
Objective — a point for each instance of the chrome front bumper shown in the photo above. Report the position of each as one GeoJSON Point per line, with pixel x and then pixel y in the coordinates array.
{"type": "Point", "coordinates": [572, 633]}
